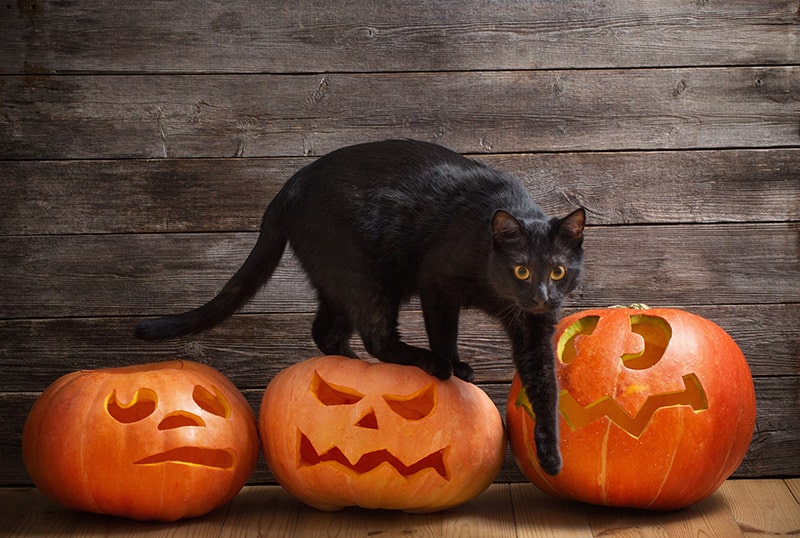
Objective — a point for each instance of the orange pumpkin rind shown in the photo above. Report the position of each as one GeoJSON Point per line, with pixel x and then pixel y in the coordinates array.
{"type": "Point", "coordinates": [160, 441]}
{"type": "Point", "coordinates": [657, 409]}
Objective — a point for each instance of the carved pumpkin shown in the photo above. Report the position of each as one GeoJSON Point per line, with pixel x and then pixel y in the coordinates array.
{"type": "Point", "coordinates": [657, 409]}
{"type": "Point", "coordinates": [342, 432]}
{"type": "Point", "coordinates": [158, 441]}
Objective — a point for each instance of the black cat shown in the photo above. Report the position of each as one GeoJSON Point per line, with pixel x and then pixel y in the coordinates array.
{"type": "Point", "coordinates": [374, 224]}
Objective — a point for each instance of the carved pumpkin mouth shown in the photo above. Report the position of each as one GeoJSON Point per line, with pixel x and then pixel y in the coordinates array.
{"type": "Point", "coordinates": [369, 461]}
{"type": "Point", "coordinates": [578, 416]}
{"type": "Point", "coordinates": [188, 455]}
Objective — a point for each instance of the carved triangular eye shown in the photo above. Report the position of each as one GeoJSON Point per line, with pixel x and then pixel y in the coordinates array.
{"type": "Point", "coordinates": [330, 394]}
{"type": "Point", "coordinates": [414, 406]}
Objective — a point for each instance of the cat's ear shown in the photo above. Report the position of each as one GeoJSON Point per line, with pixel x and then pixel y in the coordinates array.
{"type": "Point", "coordinates": [571, 226]}
{"type": "Point", "coordinates": [505, 227]}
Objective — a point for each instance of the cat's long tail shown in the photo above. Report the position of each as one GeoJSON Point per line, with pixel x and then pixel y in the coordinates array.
{"type": "Point", "coordinates": [243, 285]}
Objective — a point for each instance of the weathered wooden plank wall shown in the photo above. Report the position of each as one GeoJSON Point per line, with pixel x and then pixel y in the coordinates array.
{"type": "Point", "coordinates": [140, 142]}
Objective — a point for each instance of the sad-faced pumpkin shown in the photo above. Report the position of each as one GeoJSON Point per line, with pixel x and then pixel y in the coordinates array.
{"type": "Point", "coordinates": [657, 409]}
{"type": "Point", "coordinates": [340, 432]}
{"type": "Point", "coordinates": [158, 441]}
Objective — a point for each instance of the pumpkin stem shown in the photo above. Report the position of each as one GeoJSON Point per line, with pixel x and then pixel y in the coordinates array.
{"type": "Point", "coordinates": [634, 306]}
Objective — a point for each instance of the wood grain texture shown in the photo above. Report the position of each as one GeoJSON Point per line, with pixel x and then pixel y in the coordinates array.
{"type": "Point", "coordinates": [483, 112]}
{"type": "Point", "coordinates": [794, 486]}
{"type": "Point", "coordinates": [503, 510]}
{"type": "Point", "coordinates": [211, 195]}
{"type": "Point", "coordinates": [113, 275]}
{"type": "Point", "coordinates": [762, 508]}
{"type": "Point", "coordinates": [140, 143]}
{"type": "Point", "coordinates": [710, 518]}
{"type": "Point", "coordinates": [252, 348]}
{"type": "Point", "coordinates": [428, 35]}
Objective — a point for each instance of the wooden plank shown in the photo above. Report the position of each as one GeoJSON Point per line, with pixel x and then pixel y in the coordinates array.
{"type": "Point", "coordinates": [489, 514]}
{"type": "Point", "coordinates": [270, 511]}
{"type": "Point", "coordinates": [776, 435]}
{"type": "Point", "coordinates": [295, 115]}
{"type": "Point", "coordinates": [711, 517]}
{"type": "Point", "coordinates": [26, 512]}
{"type": "Point", "coordinates": [205, 195]}
{"type": "Point", "coordinates": [114, 275]}
{"type": "Point", "coordinates": [207, 526]}
{"type": "Point", "coordinates": [794, 486]}
{"type": "Point", "coordinates": [164, 195]}
{"type": "Point", "coordinates": [251, 349]}
{"type": "Point", "coordinates": [359, 522]}
{"type": "Point", "coordinates": [538, 515]}
{"type": "Point", "coordinates": [774, 453]}
{"type": "Point", "coordinates": [313, 35]}
{"type": "Point", "coordinates": [762, 507]}
{"type": "Point", "coordinates": [261, 511]}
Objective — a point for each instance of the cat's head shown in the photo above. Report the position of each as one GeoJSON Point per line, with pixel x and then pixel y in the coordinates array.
{"type": "Point", "coordinates": [536, 263]}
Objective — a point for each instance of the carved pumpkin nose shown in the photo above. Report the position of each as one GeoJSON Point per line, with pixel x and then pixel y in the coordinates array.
{"type": "Point", "coordinates": [369, 420]}
{"type": "Point", "coordinates": [180, 419]}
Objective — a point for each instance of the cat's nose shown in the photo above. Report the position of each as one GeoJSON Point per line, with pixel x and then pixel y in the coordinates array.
{"type": "Point", "coordinates": [541, 295]}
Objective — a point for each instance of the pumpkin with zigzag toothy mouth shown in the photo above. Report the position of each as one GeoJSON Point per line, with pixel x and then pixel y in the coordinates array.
{"type": "Point", "coordinates": [657, 409]}
{"type": "Point", "coordinates": [340, 432]}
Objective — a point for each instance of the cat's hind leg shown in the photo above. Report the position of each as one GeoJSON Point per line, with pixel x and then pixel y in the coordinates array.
{"type": "Point", "coordinates": [332, 330]}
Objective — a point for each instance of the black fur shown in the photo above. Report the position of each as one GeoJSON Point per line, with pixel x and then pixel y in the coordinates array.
{"type": "Point", "coordinates": [374, 224]}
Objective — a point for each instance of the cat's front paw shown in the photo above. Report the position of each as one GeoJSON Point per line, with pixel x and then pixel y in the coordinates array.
{"type": "Point", "coordinates": [550, 461]}
{"type": "Point", "coordinates": [464, 371]}
{"type": "Point", "coordinates": [547, 451]}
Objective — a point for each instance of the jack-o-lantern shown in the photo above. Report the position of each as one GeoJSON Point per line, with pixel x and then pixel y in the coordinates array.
{"type": "Point", "coordinates": [657, 409]}
{"type": "Point", "coordinates": [340, 432]}
{"type": "Point", "coordinates": [157, 441]}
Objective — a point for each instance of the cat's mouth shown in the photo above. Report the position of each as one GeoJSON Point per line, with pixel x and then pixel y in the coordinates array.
{"type": "Point", "coordinates": [538, 308]}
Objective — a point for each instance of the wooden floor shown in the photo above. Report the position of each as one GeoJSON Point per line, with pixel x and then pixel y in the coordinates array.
{"type": "Point", "coordinates": [740, 508]}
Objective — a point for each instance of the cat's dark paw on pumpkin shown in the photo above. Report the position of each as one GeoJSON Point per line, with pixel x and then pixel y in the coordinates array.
{"type": "Point", "coordinates": [440, 370]}
{"type": "Point", "coordinates": [547, 450]}
{"type": "Point", "coordinates": [549, 458]}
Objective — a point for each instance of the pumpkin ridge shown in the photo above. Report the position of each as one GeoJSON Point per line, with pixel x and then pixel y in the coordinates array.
{"type": "Point", "coordinates": [668, 471]}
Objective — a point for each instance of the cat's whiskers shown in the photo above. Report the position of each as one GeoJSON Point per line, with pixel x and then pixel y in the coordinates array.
{"type": "Point", "coordinates": [511, 316]}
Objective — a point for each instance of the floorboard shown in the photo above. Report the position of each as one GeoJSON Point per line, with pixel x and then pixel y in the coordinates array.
{"type": "Point", "coordinates": [747, 508]}
{"type": "Point", "coordinates": [763, 507]}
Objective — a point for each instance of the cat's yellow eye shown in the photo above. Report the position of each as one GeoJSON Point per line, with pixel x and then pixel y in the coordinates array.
{"type": "Point", "coordinates": [558, 272]}
{"type": "Point", "coordinates": [522, 272]}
